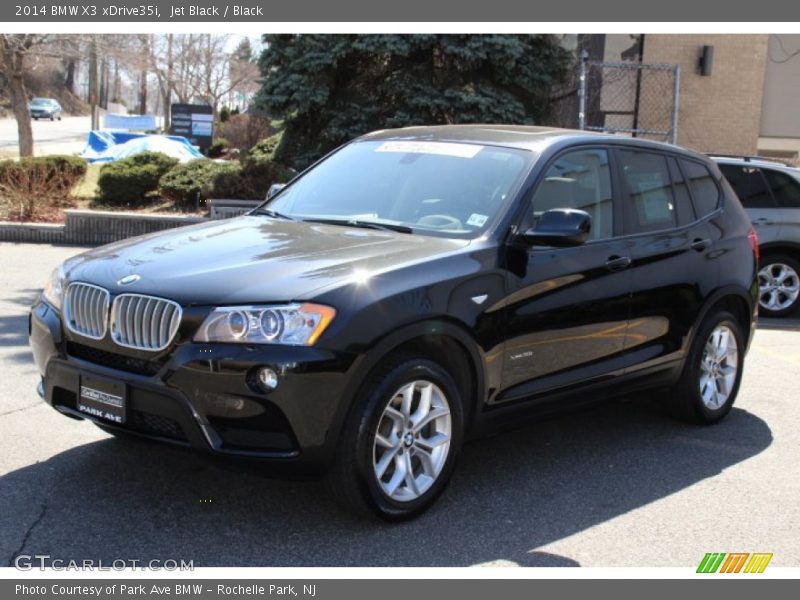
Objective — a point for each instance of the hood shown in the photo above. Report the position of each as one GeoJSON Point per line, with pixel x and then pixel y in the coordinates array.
{"type": "Point", "coordinates": [251, 259]}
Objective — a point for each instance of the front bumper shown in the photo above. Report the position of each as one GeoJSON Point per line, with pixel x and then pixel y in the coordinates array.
{"type": "Point", "coordinates": [204, 395]}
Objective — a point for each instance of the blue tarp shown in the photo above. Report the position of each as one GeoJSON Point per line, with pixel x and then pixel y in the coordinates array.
{"type": "Point", "coordinates": [108, 146]}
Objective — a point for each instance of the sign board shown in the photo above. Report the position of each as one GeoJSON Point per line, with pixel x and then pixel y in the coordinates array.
{"type": "Point", "coordinates": [194, 122]}
{"type": "Point", "coordinates": [129, 122]}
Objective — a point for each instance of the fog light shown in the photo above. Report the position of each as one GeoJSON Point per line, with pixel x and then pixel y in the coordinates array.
{"type": "Point", "coordinates": [267, 378]}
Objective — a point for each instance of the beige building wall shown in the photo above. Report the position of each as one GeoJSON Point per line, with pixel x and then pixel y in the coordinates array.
{"type": "Point", "coordinates": [721, 112]}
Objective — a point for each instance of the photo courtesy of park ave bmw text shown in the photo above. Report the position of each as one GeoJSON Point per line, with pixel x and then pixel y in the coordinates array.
{"type": "Point", "coordinates": [361, 297]}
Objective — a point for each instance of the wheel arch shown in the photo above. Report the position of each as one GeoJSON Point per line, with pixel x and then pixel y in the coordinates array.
{"type": "Point", "coordinates": [440, 340]}
{"type": "Point", "coordinates": [783, 247]}
{"type": "Point", "coordinates": [739, 302]}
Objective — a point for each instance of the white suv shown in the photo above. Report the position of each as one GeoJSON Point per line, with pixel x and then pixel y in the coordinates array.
{"type": "Point", "coordinates": [770, 192]}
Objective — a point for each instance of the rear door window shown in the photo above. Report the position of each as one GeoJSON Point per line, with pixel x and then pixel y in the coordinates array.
{"type": "Point", "coordinates": [749, 185]}
{"type": "Point", "coordinates": [705, 192]}
{"type": "Point", "coordinates": [683, 201]}
{"type": "Point", "coordinates": [648, 197]}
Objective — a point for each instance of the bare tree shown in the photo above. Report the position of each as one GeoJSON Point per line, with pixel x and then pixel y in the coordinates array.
{"type": "Point", "coordinates": [244, 73]}
{"type": "Point", "coordinates": [219, 72]}
{"type": "Point", "coordinates": [15, 52]}
{"type": "Point", "coordinates": [196, 67]}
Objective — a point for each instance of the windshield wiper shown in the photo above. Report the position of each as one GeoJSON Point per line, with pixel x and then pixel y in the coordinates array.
{"type": "Point", "coordinates": [274, 214]}
{"type": "Point", "coordinates": [396, 227]}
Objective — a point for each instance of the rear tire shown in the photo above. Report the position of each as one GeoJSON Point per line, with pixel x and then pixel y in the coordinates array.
{"type": "Point", "coordinates": [399, 446]}
{"type": "Point", "coordinates": [712, 372]}
{"type": "Point", "coordinates": [779, 285]}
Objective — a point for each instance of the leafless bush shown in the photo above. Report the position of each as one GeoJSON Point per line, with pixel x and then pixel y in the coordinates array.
{"type": "Point", "coordinates": [243, 131]}
{"type": "Point", "coordinates": [34, 192]}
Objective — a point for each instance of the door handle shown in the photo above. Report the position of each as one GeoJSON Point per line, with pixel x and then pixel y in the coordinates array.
{"type": "Point", "coordinates": [617, 263]}
{"type": "Point", "coordinates": [701, 244]}
{"type": "Point", "coordinates": [762, 221]}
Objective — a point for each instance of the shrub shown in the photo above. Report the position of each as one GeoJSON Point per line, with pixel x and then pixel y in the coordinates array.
{"type": "Point", "coordinates": [35, 187]}
{"type": "Point", "coordinates": [160, 160]}
{"type": "Point", "coordinates": [64, 169]}
{"type": "Point", "coordinates": [224, 114]}
{"type": "Point", "coordinates": [129, 181]}
{"type": "Point", "coordinates": [72, 167]}
{"type": "Point", "coordinates": [248, 180]}
{"type": "Point", "coordinates": [217, 147]}
{"type": "Point", "coordinates": [265, 149]}
{"type": "Point", "coordinates": [183, 183]}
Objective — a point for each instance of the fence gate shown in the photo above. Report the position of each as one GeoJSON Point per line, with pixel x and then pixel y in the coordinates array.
{"type": "Point", "coordinates": [631, 98]}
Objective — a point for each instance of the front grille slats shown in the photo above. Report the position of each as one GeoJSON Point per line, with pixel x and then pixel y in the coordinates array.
{"type": "Point", "coordinates": [86, 310]}
{"type": "Point", "coordinates": [155, 322]}
{"type": "Point", "coordinates": [137, 321]}
{"type": "Point", "coordinates": [144, 322]}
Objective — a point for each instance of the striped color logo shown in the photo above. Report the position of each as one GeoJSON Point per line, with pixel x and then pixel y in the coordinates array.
{"type": "Point", "coordinates": [734, 562]}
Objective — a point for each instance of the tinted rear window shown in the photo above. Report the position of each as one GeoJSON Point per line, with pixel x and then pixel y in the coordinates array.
{"type": "Point", "coordinates": [749, 185]}
{"type": "Point", "coordinates": [705, 192]}
{"type": "Point", "coordinates": [785, 188]}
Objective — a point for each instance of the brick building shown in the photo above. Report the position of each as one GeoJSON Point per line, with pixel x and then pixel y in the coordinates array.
{"type": "Point", "coordinates": [746, 101]}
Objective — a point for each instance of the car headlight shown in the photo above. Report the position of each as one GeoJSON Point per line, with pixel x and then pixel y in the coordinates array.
{"type": "Point", "coordinates": [288, 324]}
{"type": "Point", "coordinates": [54, 290]}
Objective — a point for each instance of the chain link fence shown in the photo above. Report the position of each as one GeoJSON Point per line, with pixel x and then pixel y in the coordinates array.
{"type": "Point", "coordinates": [630, 98]}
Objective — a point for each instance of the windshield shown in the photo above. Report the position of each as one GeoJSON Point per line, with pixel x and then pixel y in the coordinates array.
{"type": "Point", "coordinates": [432, 188]}
{"type": "Point", "coordinates": [41, 102]}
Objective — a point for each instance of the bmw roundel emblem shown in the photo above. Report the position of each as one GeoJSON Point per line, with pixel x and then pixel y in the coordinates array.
{"type": "Point", "coordinates": [128, 279]}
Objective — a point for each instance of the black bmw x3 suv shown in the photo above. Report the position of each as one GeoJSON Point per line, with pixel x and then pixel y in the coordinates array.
{"type": "Point", "coordinates": [414, 288]}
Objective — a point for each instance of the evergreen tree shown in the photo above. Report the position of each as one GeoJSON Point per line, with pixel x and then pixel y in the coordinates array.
{"type": "Point", "coordinates": [331, 88]}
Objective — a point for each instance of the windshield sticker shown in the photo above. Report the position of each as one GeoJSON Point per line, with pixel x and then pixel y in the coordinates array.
{"type": "Point", "coordinates": [441, 148]}
{"type": "Point", "coordinates": [477, 220]}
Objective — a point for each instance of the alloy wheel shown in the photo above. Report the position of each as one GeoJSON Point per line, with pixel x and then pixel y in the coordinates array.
{"type": "Point", "coordinates": [779, 286]}
{"type": "Point", "coordinates": [718, 367]}
{"type": "Point", "coordinates": [412, 441]}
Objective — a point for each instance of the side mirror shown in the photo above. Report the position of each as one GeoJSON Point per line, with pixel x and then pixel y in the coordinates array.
{"type": "Point", "coordinates": [560, 227]}
{"type": "Point", "coordinates": [274, 189]}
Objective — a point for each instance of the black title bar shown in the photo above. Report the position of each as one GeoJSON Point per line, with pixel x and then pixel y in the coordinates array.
{"type": "Point", "coordinates": [464, 11]}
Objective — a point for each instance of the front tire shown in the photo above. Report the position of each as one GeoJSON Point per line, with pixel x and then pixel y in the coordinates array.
{"type": "Point", "coordinates": [399, 446]}
{"type": "Point", "coordinates": [779, 285]}
{"type": "Point", "coordinates": [711, 376]}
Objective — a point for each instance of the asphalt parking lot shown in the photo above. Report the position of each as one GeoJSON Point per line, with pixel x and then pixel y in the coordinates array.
{"type": "Point", "coordinates": [620, 485]}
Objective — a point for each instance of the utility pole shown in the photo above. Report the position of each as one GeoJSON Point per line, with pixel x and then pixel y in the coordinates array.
{"type": "Point", "coordinates": [93, 83]}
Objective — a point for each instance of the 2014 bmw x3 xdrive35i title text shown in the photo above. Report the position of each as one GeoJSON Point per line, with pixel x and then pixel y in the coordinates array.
{"type": "Point", "coordinates": [414, 288]}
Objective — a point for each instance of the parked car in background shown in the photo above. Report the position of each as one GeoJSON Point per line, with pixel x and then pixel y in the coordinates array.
{"type": "Point", "coordinates": [770, 192]}
{"type": "Point", "coordinates": [45, 108]}
{"type": "Point", "coordinates": [415, 288]}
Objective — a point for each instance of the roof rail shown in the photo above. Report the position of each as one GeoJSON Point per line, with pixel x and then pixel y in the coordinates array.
{"type": "Point", "coordinates": [746, 158]}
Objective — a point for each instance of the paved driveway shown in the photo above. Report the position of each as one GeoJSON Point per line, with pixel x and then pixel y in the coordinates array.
{"type": "Point", "coordinates": [67, 136]}
{"type": "Point", "coordinates": [621, 485]}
